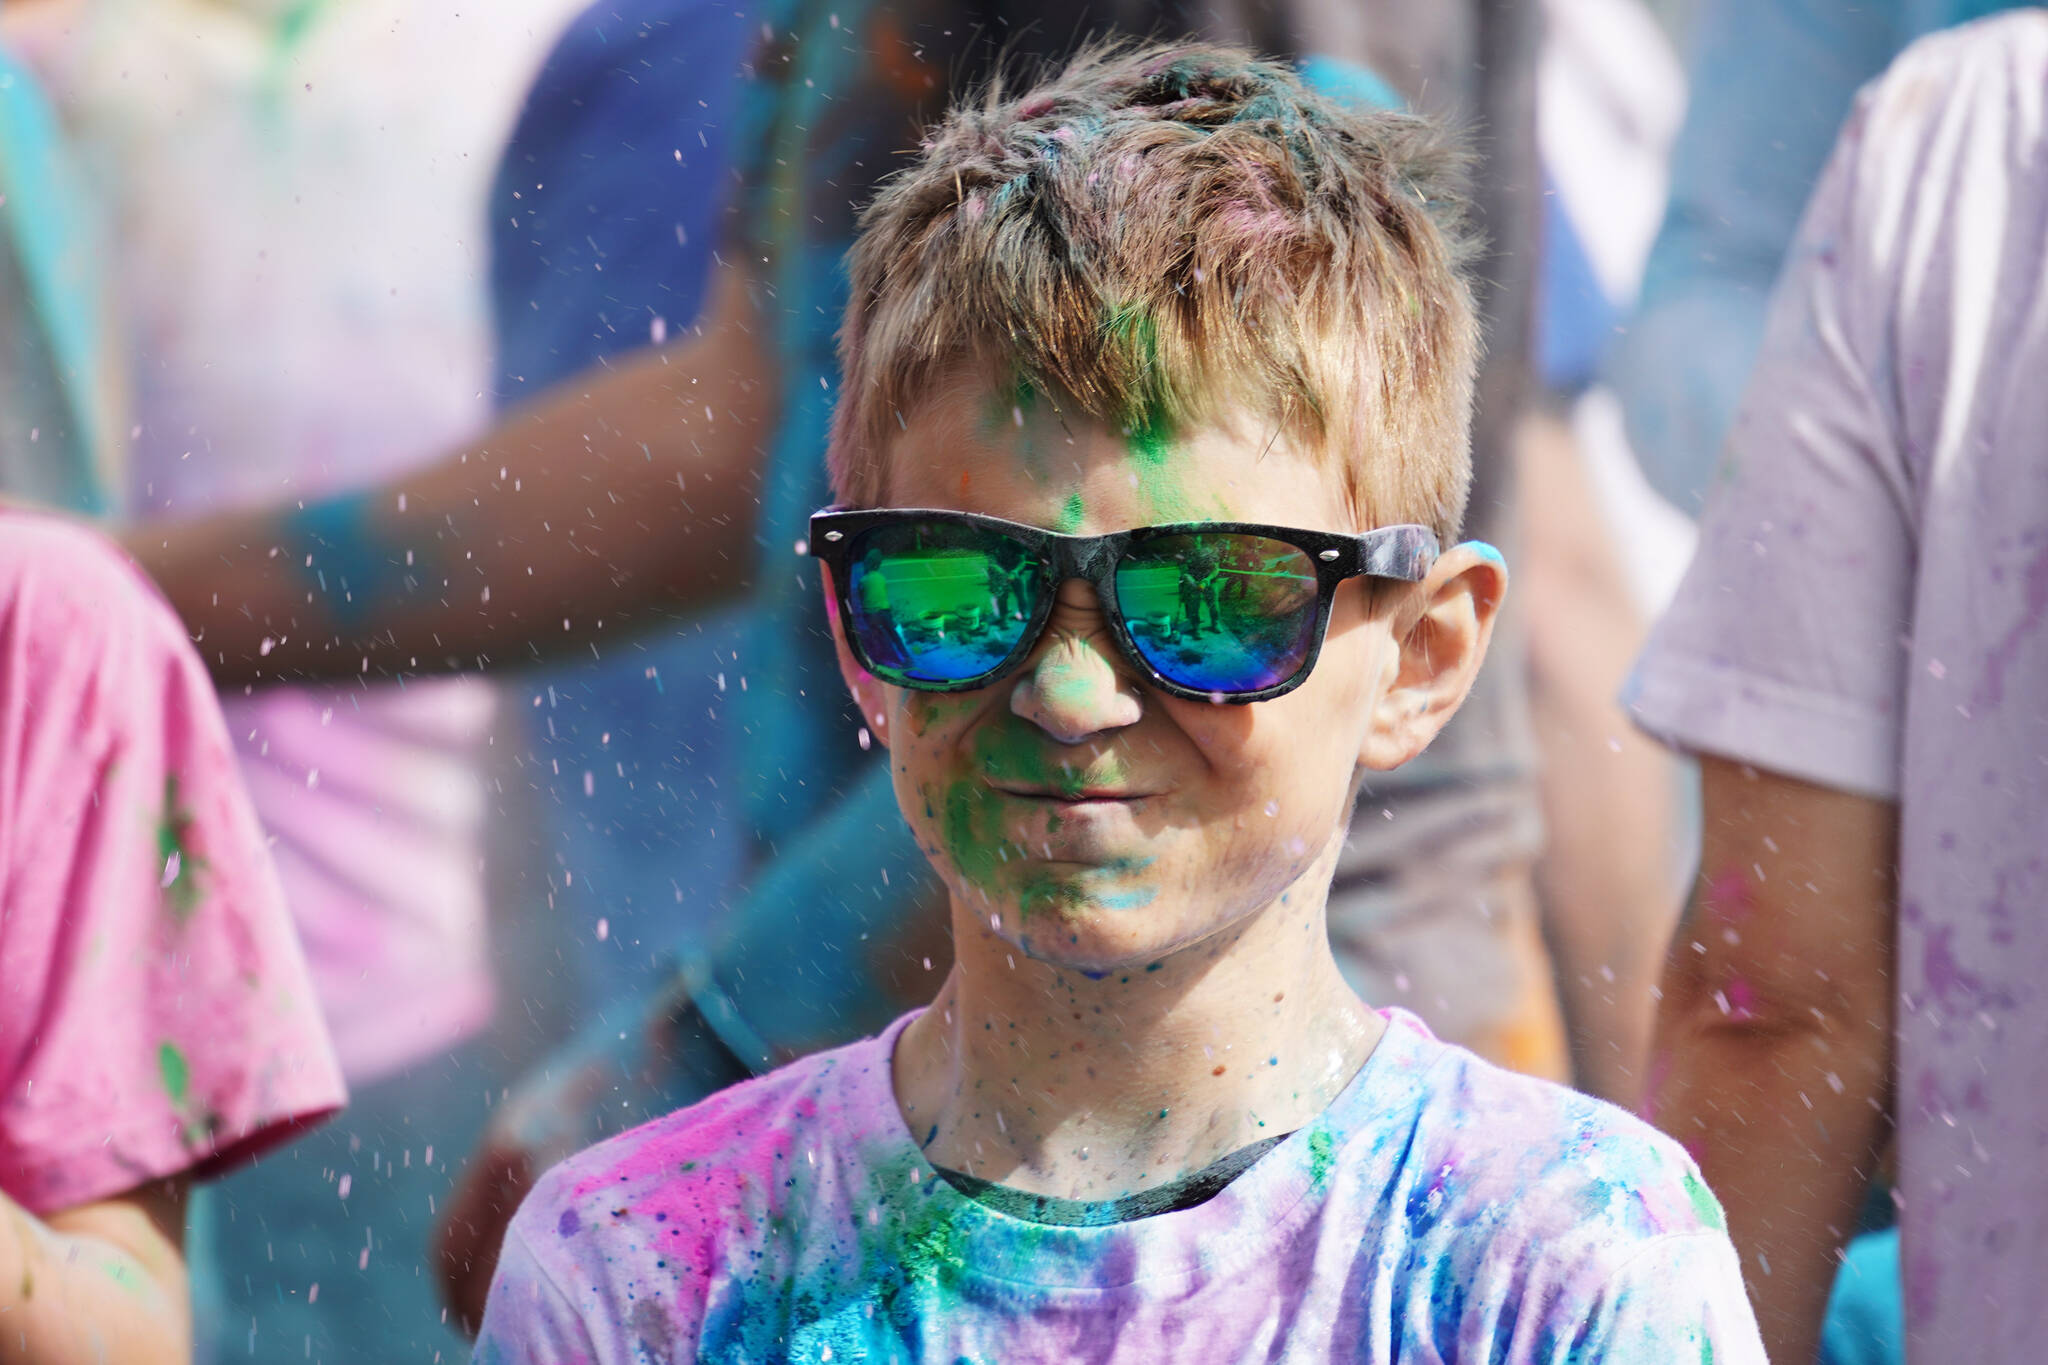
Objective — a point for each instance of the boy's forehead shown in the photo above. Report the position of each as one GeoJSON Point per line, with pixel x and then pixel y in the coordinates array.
{"type": "Point", "coordinates": [1013, 451]}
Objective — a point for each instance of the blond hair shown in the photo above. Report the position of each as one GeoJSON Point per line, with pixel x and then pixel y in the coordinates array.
{"type": "Point", "coordinates": [1159, 233]}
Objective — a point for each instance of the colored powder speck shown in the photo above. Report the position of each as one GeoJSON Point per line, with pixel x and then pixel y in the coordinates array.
{"type": "Point", "coordinates": [1704, 1205]}
{"type": "Point", "coordinates": [1322, 1156]}
{"type": "Point", "coordinates": [175, 1072]}
{"type": "Point", "coordinates": [1071, 515]}
{"type": "Point", "coordinates": [569, 1224]}
{"type": "Point", "coordinates": [181, 864]}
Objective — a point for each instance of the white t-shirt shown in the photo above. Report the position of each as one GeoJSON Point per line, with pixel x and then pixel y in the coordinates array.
{"type": "Point", "coordinates": [1441, 1210]}
{"type": "Point", "coordinates": [1866, 613]}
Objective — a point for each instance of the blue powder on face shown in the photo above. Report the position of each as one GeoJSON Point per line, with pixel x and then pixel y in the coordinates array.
{"type": "Point", "coordinates": [568, 1225]}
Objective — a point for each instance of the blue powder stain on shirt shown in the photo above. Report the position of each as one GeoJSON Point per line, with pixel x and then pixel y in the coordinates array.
{"type": "Point", "coordinates": [568, 1225]}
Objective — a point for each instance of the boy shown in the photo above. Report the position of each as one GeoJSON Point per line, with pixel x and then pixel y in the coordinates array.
{"type": "Point", "coordinates": [1139, 1121]}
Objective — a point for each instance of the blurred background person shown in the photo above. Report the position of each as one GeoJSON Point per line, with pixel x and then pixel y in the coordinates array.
{"type": "Point", "coordinates": [295, 196]}
{"type": "Point", "coordinates": [60, 380]}
{"type": "Point", "coordinates": [1856, 654]}
{"type": "Point", "coordinates": [158, 1027]}
{"type": "Point", "coordinates": [1771, 83]}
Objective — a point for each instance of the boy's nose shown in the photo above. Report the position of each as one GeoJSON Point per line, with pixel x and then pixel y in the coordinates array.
{"type": "Point", "coordinates": [1076, 685]}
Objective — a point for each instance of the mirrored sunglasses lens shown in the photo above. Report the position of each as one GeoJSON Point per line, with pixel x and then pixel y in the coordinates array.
{"type": "Point", "coordinates": [1219, 611]}
{"type": "Point", "coordinates": [938, 602]}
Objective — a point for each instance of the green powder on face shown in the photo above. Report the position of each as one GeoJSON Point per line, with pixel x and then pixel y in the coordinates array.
{"type": "Point", "coordinates": [1071, 515]}
{"type": "Point", "coordinates": [972, 833]}
{"type": "Point", "coordinates": [926, 709]}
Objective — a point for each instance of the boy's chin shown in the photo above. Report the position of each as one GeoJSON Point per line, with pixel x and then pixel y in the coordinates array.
{"type": "Point", "coordinates": [1094, 935]}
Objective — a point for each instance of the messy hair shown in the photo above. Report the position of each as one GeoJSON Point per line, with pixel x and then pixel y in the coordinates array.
{"type": "Point", "coordinates": [1163, 235]}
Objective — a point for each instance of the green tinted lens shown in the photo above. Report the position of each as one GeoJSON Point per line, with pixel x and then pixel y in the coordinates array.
{"type": "Point", "coordinates": [938, 602]}
{"type": "Point", "coordinates": [1219, 611]}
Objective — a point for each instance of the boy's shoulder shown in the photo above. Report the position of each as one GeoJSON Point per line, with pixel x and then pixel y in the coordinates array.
{"type": "Point", "coordinates": [1539, 1165]}
{"type": "Point", "coordinates": [692, 1173]}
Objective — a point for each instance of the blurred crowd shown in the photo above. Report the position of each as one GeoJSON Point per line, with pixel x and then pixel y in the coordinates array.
{"type": "Point", "coordinates": [459, 378]}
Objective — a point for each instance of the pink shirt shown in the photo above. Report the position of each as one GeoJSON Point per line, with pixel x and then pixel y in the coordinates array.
{"type": "Point", "coordinates": [1869, 612]}
{"type": "Point", "coordinates": [156, 1015]}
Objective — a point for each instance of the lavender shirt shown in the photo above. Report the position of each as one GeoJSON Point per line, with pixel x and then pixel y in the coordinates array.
{"type": "Point", "coordinates": [1441, 1210]}
{"type": "Point", "coordinates": [1866, 613]}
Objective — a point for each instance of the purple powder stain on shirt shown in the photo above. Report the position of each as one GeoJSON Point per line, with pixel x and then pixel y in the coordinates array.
{"type": "Point", "coordinates": [1992, 690]}
{"type": "Point", "coordinates": [568, 1225]}
{"type": "Point", "coordinates": [1945, 976]}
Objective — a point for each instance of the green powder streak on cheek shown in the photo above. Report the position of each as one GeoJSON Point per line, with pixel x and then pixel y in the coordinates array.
{"type": "Point", "coordinates": [1071, 515]}
{"type": "Point", "coordinates": [971, 830]}
{"type": "Point", "coordinates": [926, 709]}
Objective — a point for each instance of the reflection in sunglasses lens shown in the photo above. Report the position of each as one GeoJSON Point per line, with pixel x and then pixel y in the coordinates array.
{"type": "Point", "coordinates": [936, 602]}
{"type": "Point", "coordinates": [1219, 611]}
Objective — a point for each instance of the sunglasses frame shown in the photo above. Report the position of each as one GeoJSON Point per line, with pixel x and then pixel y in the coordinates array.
{"type": "Point", "coordinates": [1403, 553]}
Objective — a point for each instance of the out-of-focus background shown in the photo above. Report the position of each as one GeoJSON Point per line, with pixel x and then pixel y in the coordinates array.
{"type": "Point", "coordinates": [259, 252]}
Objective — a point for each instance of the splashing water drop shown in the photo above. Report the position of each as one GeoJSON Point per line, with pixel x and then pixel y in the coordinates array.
{"type": "Point", "coordinates": [172, 865]}
{"type": "Point", "coordinates": [604, 929]}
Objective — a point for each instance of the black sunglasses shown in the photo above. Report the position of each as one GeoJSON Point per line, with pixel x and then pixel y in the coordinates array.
{"type": "Point", "coordinates": [1221, 611]}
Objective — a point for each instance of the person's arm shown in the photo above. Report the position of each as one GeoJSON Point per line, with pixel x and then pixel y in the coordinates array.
{"type": "Point", "coordinates": [99, 1284]}
{"type": "Point", "coordinates": [1774, 1035]}
{"type": "Point", "coordinates": [618, 494]}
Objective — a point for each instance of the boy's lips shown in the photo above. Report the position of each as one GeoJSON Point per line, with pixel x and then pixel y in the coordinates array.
{"type": "Point", "coordinates": [1084, 796]}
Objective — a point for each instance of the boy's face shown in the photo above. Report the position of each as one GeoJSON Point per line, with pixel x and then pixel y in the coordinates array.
{"type": "Point", "coordinates": [1089, 819]}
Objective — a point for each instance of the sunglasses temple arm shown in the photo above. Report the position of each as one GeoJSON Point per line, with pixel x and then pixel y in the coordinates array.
{"type": "Point", "coordinates": [1405, 553]}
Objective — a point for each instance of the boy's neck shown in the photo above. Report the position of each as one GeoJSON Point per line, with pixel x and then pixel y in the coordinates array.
{"type": "Point", "coordinates": [1046, 1080]}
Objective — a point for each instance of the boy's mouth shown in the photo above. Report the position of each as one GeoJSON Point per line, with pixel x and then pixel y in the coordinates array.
{"type": "Point", "coordinates": [1071, 797]}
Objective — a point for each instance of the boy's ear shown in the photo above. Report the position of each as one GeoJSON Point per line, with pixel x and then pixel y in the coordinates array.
{"type": "Point", "coordinates": [1440, 635]}
{"type": "Point", "coordinates": [867, 690]}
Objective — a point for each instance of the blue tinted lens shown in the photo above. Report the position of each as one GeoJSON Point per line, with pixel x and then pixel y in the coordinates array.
{"type": "Point", "coordinates": [938, 602]}
{"type": "Point", "coordinates": [1219, 611]}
